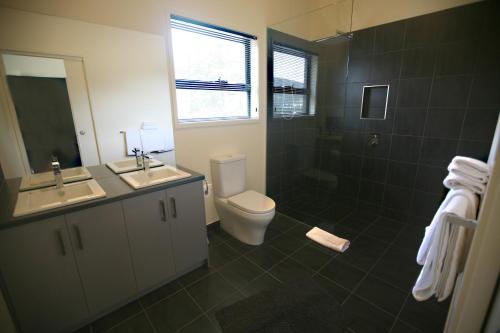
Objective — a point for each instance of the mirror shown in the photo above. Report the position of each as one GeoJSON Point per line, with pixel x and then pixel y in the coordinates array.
{"type": "Point", "coordinates": [44, 94]}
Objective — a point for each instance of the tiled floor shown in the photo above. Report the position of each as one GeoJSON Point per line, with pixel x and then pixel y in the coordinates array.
{"type": "Point", "coordinates": [372, 279]}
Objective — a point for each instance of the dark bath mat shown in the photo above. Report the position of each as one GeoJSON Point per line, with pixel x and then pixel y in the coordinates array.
{"type": "Point", "coordinates": [294, 307]}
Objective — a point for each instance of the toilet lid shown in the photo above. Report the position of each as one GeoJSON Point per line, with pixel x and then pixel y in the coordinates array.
{"type": "Point", "coordinates": [252, 202]}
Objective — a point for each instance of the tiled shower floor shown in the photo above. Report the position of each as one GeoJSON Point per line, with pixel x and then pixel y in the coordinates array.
{"type": "Point", "coordinates": [372, 279]}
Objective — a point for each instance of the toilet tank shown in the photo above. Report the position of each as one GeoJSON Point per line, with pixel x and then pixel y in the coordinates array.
{"type": "Point", "coordinates": [228, 174]}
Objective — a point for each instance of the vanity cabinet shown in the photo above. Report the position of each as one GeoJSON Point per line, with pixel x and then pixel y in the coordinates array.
{"type": "Point", "coordinates": [41, 276]}
{"type": "Point", "coordinates": [63, 271]}
{"type": "Point", "coordinates": [100, 245]}
{"type": "Point", "coordinates": [187, 213]}
{"type": "Point", "coordinates": [167, 232]}
{"type": "Point", "coordinates": [150, 238]}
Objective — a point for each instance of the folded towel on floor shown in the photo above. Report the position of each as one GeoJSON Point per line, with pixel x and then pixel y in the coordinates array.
{"type": "Point", "coordinates": [470, 167]}
{"type": "Point", "coordinates": [441, 251]}
{"type": "Point", "coordinates": [456, 182]}
{"type": "Point", "coordinates": [324, 238]}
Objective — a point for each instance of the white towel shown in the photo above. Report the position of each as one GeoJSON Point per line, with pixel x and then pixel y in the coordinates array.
{"type": "Point", "coordinates": [441, 245]}
{"type": "Point", "coordinates": [456, 182]}
{"type": "Point", "coordinates": [324, 238]}
{"type": "Point", "coordinates": [467, 172]}
{"type": "Point", "coordinates": [471, 167]}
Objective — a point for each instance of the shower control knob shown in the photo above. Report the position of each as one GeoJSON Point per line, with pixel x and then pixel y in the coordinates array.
{"type": "Point", "coordinates": [82, 132]}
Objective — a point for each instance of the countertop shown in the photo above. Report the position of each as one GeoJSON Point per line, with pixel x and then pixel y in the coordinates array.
{"type": "Point", "coordinates": [116, 189]}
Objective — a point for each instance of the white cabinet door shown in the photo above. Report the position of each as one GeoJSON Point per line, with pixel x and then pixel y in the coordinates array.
{"type": "Point", "coordinates": [41, 276]}
{"type": "Point", "coordinates": [150, 238]}
{"type": "Point", "coordinates": [100, 243]}
{"type": "Point", "coordinates": [189, 232]}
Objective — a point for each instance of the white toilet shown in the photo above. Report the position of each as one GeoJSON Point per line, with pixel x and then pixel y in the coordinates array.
{"type": "Point", "coordinates": [243, 214]}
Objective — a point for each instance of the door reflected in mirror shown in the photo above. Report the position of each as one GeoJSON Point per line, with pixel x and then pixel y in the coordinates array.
{"type": "Point", "coordinates": [50, 118]}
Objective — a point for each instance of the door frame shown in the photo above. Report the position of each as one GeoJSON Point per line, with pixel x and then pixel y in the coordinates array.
{"type": "Point", "coordinates": [11, 168]}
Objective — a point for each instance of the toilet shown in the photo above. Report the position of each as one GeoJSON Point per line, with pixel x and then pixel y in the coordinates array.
{"type": "Point", "coordinates": [244, 214]}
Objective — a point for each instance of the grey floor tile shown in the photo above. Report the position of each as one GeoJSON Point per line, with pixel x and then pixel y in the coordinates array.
{"type": "Point", "coordinates": [116, 317]}
{"type": "Point", "coordinates": [233, 298]}
{"type": "Point", "coordinates": [289, 270]}
{"type": "Point", "coordinates": [401, 327]}
{"type": "Point", "coordinates": [262, 283]}
{"type": "Point", "coordinates": [282, 222]}
{"type": "Point", "coordinates": [221, 254]}
{"type": "Point", "coordinates": [173, 312]}
{"type": "Point", "coordinates": [201, 325]}
{"type": "Point", "coordinates": [211, 290]}
{"type": "Point", "coordinates": [160, 293]}
{"type": "Point", "coordinates": [363, 252]}
{"type": "Point", "coordinates": [311, 257]}
{"type": "Point", "coordinates": [425, 315]}
{"type": "Point", "coordinates": [196, 275]}
{"type": "Point", "coordinates": [239, 246]}
{"type": "Point", "coordinates": [265, 256]}
{"type": "Point", "coordinates": [241, 272]}
{"type": "Point", "coordinates": [299, 231]}
{"type": "Point", "coordinates": [364, 317]}
{"type": "Point", "coordinates": [339, 292]}
{"type": "Point", "coordinates": [382, 294]}
{"type": "Point", "coordinates": [287, 244]}
{"type": "Point", "coordinates": [136, 324]}
{"type": "Point", "coordinates": [343, 274]}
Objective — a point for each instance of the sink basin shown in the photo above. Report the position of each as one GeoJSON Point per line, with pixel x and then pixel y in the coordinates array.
{"type": "Point", "coordinates": [51, 197]}
{"type": "Point", "coordinates": [46, 179]}
{"type": "Point", "coordinates": [130, 165]}
{"type": "Point", "coordinates": [163, 174]}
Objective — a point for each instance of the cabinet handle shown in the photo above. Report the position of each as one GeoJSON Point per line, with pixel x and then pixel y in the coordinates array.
{"type": "Point", "coordinates": [163, 211]}
{"type": "Point", "coordinates": [61, 242]}
{"type": "Point", "coordinates": [174, 207]}
{"type": "Point", "coordinates": [79, 237]}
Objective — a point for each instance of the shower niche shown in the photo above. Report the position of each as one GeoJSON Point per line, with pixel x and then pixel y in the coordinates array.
{"type": "Point", "coordinates": [374, 102]}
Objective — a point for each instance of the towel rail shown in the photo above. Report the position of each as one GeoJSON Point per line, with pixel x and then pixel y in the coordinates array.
{"type": "Point", "coordinates": [468, 223]}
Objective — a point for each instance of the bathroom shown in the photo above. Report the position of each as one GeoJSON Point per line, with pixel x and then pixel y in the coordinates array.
{"type": "Point", "coordinates": [256, 121]}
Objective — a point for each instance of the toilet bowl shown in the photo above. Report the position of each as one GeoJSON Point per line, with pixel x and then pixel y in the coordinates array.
{"type": "Point", "coordinates": [244, 214]}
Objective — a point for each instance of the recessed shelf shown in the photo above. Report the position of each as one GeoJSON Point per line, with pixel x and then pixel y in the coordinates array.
{"type": "Point", "coordinates": [374, 102]}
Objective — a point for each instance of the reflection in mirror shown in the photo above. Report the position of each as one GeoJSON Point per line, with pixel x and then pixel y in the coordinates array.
{"type": "Point", "coordinates": [308, 71]}
{"type": "Point", "coordinates": [41, 99]}
{"type": "Point", "coordinates": [328, 21]}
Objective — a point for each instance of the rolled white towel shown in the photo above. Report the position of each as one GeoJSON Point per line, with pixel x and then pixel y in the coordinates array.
{"type": "Point", "coordinates": [470, 168]}
{"type": "Point", "coordinates": [455, 182]}
{"type": "Point", "coordinates": [324, 238]}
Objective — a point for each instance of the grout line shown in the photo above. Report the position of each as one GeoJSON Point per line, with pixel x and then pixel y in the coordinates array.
{"type": "Point", "coordinates": [124, 320]}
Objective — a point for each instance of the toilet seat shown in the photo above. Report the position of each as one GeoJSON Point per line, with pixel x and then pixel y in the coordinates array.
{"type": "Point", "coordinates": [252, 202]}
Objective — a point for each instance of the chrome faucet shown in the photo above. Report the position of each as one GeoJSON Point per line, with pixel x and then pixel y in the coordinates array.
{"type": "Point", "coordinates": [137, 159]}
{"type": "Point", "coordinates": [145, 162]}
{"type": "Point", "coordinates": [56, 169]}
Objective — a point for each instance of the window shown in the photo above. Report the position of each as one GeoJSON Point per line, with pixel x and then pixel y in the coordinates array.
{"type": "Point", "coordinates": [215, 72]}
{"type": "Point", "coordinates": [294, 81]}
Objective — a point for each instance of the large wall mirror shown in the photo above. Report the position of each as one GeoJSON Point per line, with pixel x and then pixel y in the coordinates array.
{"type": "Point", "coordinates": [49, 110]}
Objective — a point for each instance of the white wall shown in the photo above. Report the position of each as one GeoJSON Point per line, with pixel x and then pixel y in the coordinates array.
{"type": "Point", "coordinates": [126, 71]}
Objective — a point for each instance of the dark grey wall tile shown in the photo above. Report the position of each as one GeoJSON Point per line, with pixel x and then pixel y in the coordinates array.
{"type": "Point", "coordinates": [401, 174]}
{"type": "Point", "coordinates": [371, 192]}
{"type": "Point", "coordinates": [386, 66]}
{"type": "Point", "coordinates": [359, 68]}
{"type": "Point", "coordinates": [444, 123]}
{"type": "Point", "coordinates": [353, 95]}
{"type": "Point", "coordinates": [430, 179]}
{"type": "Point", "coordinates": [418, 62]}
{"type": "Point", "coordinates": [414, 92]}
{"type": "Point", "coordinates": [475, 149]}
{"type": "Point", "coordinates": [405, 148]}
{"type": "Point", "coordinates": [381, 150]}
{"type": "Point", "coordinates": [380, 125]}
{"type": "Point", "coordinates": [438, 152]}
{"type": "Point", "coordinates": [362, 42]}
{"type": "Point", "coordinates": [450, 91]}
{"type": "Point", "coordinates": [480, 124]}
{"type": "Point", "coordinates": [374, 169]}
{"type": "Point", "coordinates": [397, 198]}
{"type": "Point", "coordinates": [421, 31]}
{"type": "Point", "coordinates": [389, 37]}
{"type": "Point", "coordinates": [425, 204]}
{"type": "Point", "coordinates": [484, 93]}
{"type": "Point", "coordinates": [453, 24]}
{"type": "Point", "coordinates": [410, 121]}
{"type": "Point", "coordinates": [456, 58]}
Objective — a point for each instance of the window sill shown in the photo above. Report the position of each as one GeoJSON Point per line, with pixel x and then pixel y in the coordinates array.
{"type": "Point", "coordinates": [215, 123]}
